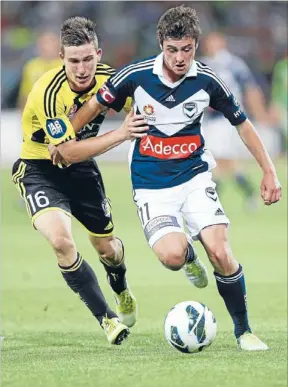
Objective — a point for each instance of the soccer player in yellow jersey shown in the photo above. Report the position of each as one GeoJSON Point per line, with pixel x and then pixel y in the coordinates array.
{"type": "Point", "coordinates": [53, 194]}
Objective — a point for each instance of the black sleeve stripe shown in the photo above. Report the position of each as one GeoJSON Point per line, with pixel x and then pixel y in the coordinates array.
{"type": "Point", "coordinates": [53, 98]}
{"type": "Point", "coordinates": [61, 75]}
{"type": "Point", "coordinates": [101, 66]}
{"type": "Point", "coordinates": [104, 73]}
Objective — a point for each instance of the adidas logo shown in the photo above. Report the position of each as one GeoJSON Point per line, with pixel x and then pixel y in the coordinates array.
{"type": "Point", "coordinates": [170, 99]}
{"type": "Point", "coordinates": [109, 226]}
{"type": "Point", "coordinates": [219, 212]}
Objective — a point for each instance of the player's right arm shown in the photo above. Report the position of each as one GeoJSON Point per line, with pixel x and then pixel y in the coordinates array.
{"type": "Point", "coordinates": [113, 94]}
{"type": "Point", "coordinates": [49, 107]}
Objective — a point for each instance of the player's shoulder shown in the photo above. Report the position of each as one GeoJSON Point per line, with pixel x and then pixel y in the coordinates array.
{"type": "Point", "coordinates": [146, 63]}
{"type": "Point", "coordinates": [203, 68]}
{"type": "Point", "coordinates": [52, 79]}
{"type": "Point", "coordinates": [104, 69]}
{"type": "Point", "coordinates": [140, 68]}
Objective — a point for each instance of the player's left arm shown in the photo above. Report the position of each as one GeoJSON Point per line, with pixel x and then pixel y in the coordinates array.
{"type": "Point", "coordinates": [271, 190]}
{"type": "Point", "coordinates": [222, 99]}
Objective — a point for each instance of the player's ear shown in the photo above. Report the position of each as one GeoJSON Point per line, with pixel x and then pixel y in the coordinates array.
{"type": "Point", "coordinates": [99, 54]}
{"type": "Point", "coordinates": [196, 45]}
{"type": "Point", "coordinates": [61, 53]}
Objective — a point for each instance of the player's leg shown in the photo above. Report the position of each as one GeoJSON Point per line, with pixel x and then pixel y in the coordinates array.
{"type": "Point", "coordinates": [206, 220]}
{"type": "Point", "coordinates": [49, 210]}
{"type": "Point", "coordinates": [161, 219]}
{"type": "Point", "coordinates": [112, 256]}
{"type": "Point", "coordinates": [230, 283]}
{"type": "Point", "coordinates": [91, 207]}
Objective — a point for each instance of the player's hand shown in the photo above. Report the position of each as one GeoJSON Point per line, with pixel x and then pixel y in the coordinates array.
{"type": "Point", "coordinates": [134, 126]}
{"type": "Point", "coordinates": [55, 156]}
{"type": "Point", "coordinates": [271, 190]}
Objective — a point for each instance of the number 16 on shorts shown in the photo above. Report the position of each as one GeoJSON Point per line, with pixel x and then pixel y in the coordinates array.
{"type": "Point", "coordinates": [37, 201]}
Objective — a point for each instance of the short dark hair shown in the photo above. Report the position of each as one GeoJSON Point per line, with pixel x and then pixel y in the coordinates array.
{"type": "Point", "coordinates": [77, 31]}
{"type": "Point", "coordinates": [177, 23]}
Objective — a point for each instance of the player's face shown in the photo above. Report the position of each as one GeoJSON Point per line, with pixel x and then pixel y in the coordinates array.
{"type": "Point", "coordinates": [178, 56]}
{"type": "Point", "coordinates": [80, 65]}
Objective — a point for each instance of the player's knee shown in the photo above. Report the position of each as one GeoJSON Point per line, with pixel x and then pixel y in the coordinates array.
{"type": "Point", "coordinates": [173, 259]}
{"type": "Point", "coordinates": [221, 258]}
{"type": "Point", "coordinates": [112, 252]}
{"type": "Point", "coordinates": [63, 245]}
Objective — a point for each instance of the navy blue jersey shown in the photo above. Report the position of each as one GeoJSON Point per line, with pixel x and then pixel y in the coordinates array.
{"type": "Point", "coordinates": [173, 151]}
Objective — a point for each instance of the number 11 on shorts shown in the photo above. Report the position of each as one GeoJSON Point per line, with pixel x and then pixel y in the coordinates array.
{"type": "Point", "coordinates": [144, 213]}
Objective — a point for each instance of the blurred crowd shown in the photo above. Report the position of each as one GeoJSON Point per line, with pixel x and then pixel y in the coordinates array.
{"type": "Point", "coordinates": [256, 31]}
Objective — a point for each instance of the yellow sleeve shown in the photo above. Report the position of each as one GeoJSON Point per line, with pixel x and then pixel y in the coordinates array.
{"type": "Point", "coordinates": [49, 108]}
{"type": "Point", "coordinates": [128, 105]}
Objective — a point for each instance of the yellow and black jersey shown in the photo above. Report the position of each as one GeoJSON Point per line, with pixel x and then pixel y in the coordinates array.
{"type": "Point", "coordinates": [49, 107]}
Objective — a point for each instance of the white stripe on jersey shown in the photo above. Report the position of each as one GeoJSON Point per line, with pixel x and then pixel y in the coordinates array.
{"type": "Point", "coordinates": [115, 84]}
{"type": "Point", "coordinates": [131, 67]}
{"type": "Point", "coordinates": [203, 69]}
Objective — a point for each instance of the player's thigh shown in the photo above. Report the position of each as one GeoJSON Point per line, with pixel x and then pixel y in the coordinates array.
{"type": "Point", "coordinates": [159, 212]}
{"type": "Point", "coordinates": [171, 247]}
{"type": "Point", "coordinates": [39, 190]}
{"type": "Point", "coordinates": [202, 206]}
{"type": "Point", "coordinates": [88, 200]}
{"type": "Point", "coordinates": [55, 226]}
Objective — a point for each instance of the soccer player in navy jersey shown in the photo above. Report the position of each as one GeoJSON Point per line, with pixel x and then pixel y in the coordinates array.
{"type": "Point", "coordinates": [170, 167]}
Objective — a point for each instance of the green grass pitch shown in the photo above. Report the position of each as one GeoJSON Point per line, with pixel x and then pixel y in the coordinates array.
{"type": "Point", "coordinates": [52, 340]}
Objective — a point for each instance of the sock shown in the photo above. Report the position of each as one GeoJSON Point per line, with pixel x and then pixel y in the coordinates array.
{"type": "Point", "coordinates": [190, 254]}
{"type": "Point", "coordinates": [244, 184]}
{"type": "Point", "coordinates": [81, 278]}
{"type": "Point", "coordinates": [116, 274]}
{"type": "Point", "coordinates": [233, 291]}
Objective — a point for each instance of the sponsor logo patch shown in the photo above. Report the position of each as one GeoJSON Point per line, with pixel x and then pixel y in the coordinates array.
{"type": "Point", "coordinates": [169, 148]}
{"type": "Point", "coordinates": [148, 109]}
{"type": "Point", "coordinates": [159, 222]}
{"type": "Point", "coordinates": [211, 193]}
{"type": "Point", "coordinates": [56, 128]}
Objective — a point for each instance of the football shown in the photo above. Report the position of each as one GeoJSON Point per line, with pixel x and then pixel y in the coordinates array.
{"type": "Point", "coordinates": [190, 327]}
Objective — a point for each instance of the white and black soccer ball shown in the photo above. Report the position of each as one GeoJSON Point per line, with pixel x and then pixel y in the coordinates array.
{"type": "Point", "coordinates": [190, 327]}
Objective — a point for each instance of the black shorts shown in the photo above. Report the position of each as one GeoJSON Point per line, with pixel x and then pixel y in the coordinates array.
{"type": "Point", "coordinates": [76, 190]}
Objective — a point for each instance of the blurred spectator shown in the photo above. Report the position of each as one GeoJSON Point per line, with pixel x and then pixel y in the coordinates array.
{"type": "Point", "coordinates": [279, 100]}
{"type": "Point", "coordinates": [221, 138]}
{"type": "Point", "coordinates": [48, 58]}
{"type": "Point", "coordinates": [128, 32]}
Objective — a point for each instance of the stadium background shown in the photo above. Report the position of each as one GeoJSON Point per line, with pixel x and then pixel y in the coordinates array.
{"type": "Point", "coordinates": [49, 337]}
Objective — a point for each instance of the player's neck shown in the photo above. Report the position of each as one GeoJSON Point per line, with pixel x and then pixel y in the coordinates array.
{"type": "Point", "coordinates": [169, 75]}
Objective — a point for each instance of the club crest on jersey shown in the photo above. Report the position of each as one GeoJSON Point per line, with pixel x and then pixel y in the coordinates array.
{"type": "Point", "coordinates": [190, 109]}
{"type": "Point", "coordinates": [148, 109]}
{"type": "Point", "coordinates": [56, 128]}
{"type": "Point", "coordinates": [72, 110]}
{"type": "Point", "coordinates": [106, 208]}
{"type": "Point", "coordinates": [211, 193]}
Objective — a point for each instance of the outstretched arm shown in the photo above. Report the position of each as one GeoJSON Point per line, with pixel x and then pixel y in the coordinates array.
{"type": "Point", "coordinates": [74, 151]}
{"type": "Point", "coordinates": [271, 190]}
